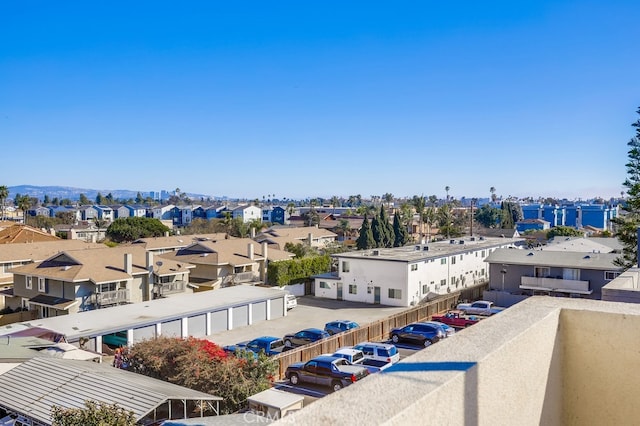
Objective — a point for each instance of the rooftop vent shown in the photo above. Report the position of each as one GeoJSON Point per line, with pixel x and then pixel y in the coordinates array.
{"type": "Point", "coordinates": [452, 241]}
{"type": "Point", "coordinates": [461, 241]}
{"type": "Point", "coordinates": [530, 254]}
{"type": "Point", "coordinates": [375, 253]}
{"type": "Point", "coordinates": [481, 238]}
{"type": "Point", "coordinates": [417, 248]}
{"type": "Point", "coordinates": [472, 238]}
{"type": "Point", "coordinates": [425, 248]}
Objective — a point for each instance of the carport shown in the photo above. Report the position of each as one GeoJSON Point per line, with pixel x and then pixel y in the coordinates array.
{"type": "Point", "coordinates": [33, 388]}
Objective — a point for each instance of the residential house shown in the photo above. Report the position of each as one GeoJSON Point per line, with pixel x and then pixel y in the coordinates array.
{"type": "Point", "coordinates": [85, 231]}
{"type": "Point", "coordinates": [54, 211]}
{"type": "Point", "coordinates": [532, 224]}
{"type": "Point", "coordinates": [19, 233]}
{"type": "Point", "coordinates": [310, 235]}
{"type": "Point", "coordinates": [120, 211]}
{"type": "Point", "coordinates": [21, 253]}
{"type": "Point", "coordinates": [88, 213]}
{"type": "Point", "coordinates": [81, 280]}
{"type": "Point", "coordinates": [162, 212]}
{"type": "Point", "coordinates": [182, 215]}
{"type": "Point", "coordinates": [227, 262]}
{"type": "Point", "coordinates": [169, 243]}
{"type": "Point", "coordinates": [247, 213]}
{"type": "Point", "coordinates": [136, 210]}
{"type": "Point", "coordinates": [105, 213]}
{"type": "Point", "coordinates": [39, 211]}
{"type": "Point", "coordinates": [404, 276]}
{"type": "Point", "coordinates": [555, 272]}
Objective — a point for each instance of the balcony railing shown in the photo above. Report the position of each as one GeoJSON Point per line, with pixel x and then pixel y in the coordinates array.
{"type": "Point", "coordinates": [245, 277]}
{"type": "Point", "coordinates": [555, 284]}
{"type": "Point", "coordinates": [172, 287]}
{"type": "Point", "coordinates": [112, 297]}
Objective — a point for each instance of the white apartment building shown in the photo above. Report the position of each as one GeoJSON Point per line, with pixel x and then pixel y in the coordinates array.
{"type": "Point", "coordinates": [404, 276]}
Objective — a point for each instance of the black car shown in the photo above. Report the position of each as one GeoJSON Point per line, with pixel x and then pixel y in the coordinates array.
{"type": "Point", "coordinates": [417, 333]}
{"type": "Point", "coordinates": [302, 337]}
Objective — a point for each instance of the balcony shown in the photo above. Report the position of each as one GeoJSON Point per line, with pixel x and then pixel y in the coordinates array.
{"type": "Point", "coordinates": [245, 277]}
{"type": "Point", "coordinates": [555, 284]}
{"type": "Point", "coordinates": [172, 287]}
{"type": "Point", "coordinates": [112, 297]}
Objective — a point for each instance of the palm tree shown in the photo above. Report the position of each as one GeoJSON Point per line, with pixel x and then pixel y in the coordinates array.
{"type": "Point", "coordinates": [344, 227]}
{"type": "Point", "coordinates": [447, 188]}
{"type": "Point", "coordinates": [23, 202]}
{"type": "Point", "coordinates": [4, 193]}
{"type": "Point", "coordinates": [492, 190]}
{"type": "Point", "coordinates": [429, 217]}
{"type": "Point", "coordinates": [419, 204]}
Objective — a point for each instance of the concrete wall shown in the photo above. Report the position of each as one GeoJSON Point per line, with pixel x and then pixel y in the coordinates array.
{"type": "Point", "coordinates": [543, 361]}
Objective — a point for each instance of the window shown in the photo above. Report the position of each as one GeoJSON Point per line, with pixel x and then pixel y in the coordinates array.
{"type": "Point", "coordinates": [29, 283]}
{"type": "Point", "coordinates": [541, 271]}
{"type": "Point", "coordinates": [453, 260]}
{"type": "Point", "coordinates": [482, 272]}
{"type": "Point", "coordinates": [42, 287]}
{"type": "Point", "coordinates": [610, 275]}
{"type": "Point", "coordinates": [461, 256]}
{"type": "Point", "coordinates": [414, 267]}
{"type": "Point", "coordinates": [395, 293]}
{"type": "Point", "coordinates": [345, 266]}
{"type": "Point", "coordinates": [453, 280]}
{"type": "Point", "coordinates": [323, 284]}
{"type": "Point", "coordinates": [353, 289]}
{"type": "Point", "coordinates": [425, 288]}
{"type": "Point", "coordinates": [443, 261]}
{"type": "Point", "coordinates": [483, 253]}
{"type": "Point", "coordinates": [443, 282]}
{"type": "Point", "coordinates": [101, 288]}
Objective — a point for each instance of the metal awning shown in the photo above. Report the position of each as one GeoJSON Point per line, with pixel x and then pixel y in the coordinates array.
{"type": "Point", "coordinates": [53, 302]}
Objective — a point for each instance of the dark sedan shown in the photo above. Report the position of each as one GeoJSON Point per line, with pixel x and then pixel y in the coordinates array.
{"type": "Point", "coordinates": [418, 333]}
{"type": "Point", "coordinates": [302, 337]}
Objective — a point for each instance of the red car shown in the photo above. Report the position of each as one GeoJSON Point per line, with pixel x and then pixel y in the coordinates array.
{"type": "Point", "coordinates": [456, 319]}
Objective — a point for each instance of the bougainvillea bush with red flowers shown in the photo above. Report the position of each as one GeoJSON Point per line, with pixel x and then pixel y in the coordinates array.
{"type": "Point", "coordinates": [202, 365]}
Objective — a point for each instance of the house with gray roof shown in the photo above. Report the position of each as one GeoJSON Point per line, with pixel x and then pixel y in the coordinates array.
{"type": "Point", "coordinates": [552, 272]}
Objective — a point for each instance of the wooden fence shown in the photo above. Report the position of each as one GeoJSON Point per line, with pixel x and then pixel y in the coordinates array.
{"type": "Point", "coordinates": [18, 317]}
{"type": "Point", "coordinates": [372, 332]}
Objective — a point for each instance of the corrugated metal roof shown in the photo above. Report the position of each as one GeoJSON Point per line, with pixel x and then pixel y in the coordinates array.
{"type": "Point", "coordinates": [34, 387]}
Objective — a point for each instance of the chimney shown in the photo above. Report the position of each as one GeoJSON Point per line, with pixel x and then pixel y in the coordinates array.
{"type": "Point", "coordinates": [149, 261]}
{"type": "Point", "coordinates": [128, 263]}
{"type": "Point", "coordinates": [253, 232]}
{"type": "Point", "coordinates": [264, 250]}
{"type": "Point", "coordinates": [250, 251]}
{"type": "Point", "coordinates": [310, 239]}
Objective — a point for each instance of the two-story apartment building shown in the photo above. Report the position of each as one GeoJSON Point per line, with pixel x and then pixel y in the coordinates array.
{"type": "Point", "coordinates": [247, 213]}
{"type": "Point", "coordinates": [80, 280]}
{"type": "Point", "coordinates": [404, 276]}
{"type": "Point", "coordinates": [227, 262]}
{"type": "Point", "coordinates": [555, 272]}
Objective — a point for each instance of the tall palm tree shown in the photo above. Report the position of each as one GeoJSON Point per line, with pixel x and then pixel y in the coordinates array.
{"type": "Point", "coordinates": [23, 202]}
{"type": "Point", "coordinates": [4, 193]}
{"type": "Point", "coordinates": [429, 217]}
{"type": "Point", "coordinates": [419, 204]}
{"type": "Point", "coordinates": [447, 188]}
{"type": "Point", "coordinates": [492, 190]}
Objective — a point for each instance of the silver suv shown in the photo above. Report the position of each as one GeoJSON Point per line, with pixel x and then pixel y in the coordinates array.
{"type": "Point", "coordinates": [381, 351]}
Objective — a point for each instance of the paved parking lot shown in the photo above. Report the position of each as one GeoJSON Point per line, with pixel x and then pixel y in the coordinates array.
{"type": "Point", "coordinates": [310, 312]}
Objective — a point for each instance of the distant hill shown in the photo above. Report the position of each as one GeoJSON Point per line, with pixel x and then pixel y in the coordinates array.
{"type": "Point", "coordinates": [61, 192]}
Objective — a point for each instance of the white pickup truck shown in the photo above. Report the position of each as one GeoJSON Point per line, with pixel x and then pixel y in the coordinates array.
{"type": "Point", "coordinates": [357, 357]}
{"type": "Point", "coordinates": [481, 307]}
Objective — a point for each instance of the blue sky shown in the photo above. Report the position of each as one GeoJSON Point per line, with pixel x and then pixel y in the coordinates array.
{"type": "Point", "coordinates": [314, 99]}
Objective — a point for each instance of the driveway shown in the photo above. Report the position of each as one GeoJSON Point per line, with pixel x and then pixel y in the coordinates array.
{"type": "Point", "coordinates": [310, 312]}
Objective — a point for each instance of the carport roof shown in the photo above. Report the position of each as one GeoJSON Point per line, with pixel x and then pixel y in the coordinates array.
{"type": "Point", "coordinates": [34, 387]}
{"type": "Point", "coordinates": [134, 315]}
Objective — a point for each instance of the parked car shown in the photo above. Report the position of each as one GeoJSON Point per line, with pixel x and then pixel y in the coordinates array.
{"type": "Point", "coordinates": [380, 351]}
{"type": "Point", "coordinates": [456, 319]}
{"type": "Point", "coordinates": [291, 301]}
{"type": "Point", "coordinates": [356, 357]}
{"type": "Point", "coordinates": [448, 330]}
{"type": "Point", "coordinates": [269, 344]}
{"type": "Point", "coordinates": [302, 337]}
{"type": "Point", "coordinates": [418, 333]}
{"type": "Point", "coordinates": [339, 326]}
{"type": "Point", "coordinates": [326, 371]}
{"type": "Point", "coordinates": [481, 307]}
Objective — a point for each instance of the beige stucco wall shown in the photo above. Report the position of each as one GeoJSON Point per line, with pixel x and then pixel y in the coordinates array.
{"type": "Point", "coordinates": [550, 361]}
